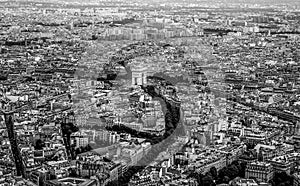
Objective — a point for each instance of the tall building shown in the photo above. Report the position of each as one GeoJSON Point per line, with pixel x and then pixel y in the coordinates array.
{"type": "Point", "coordinates": [260, 19]}
{"type": "Point", "coordinates": [262, 171]}
{"type": "Point", "coordinates": [139, 75]}
{"type": "Point", "coordinates": [80, 139]}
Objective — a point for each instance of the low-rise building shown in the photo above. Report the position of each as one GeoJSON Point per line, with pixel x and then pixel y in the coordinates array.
{"type": "Point", "coordinates": [296, 181]}
{"type": "Point", "coordinates": [262, 171]}
{"type": "Point", "coordinates": [71, 181]}
{"type": "Point", "coordinates": [281, 164]}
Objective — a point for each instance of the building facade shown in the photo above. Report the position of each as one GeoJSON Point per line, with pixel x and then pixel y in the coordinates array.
{"type": "Point", "coordinates": [262, 171]}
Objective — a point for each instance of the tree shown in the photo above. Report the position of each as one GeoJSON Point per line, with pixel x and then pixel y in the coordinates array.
{"type": "Point", "coordinates": [67, 130]}
{"type": "Point", "coordinates": [232, 172]}
{"type": "Point", "coordinates": [226, 179]}
{"type": "Point", "coordinates": [88, 148]}
{"type": "Point", "coordinates": [235, 169]}
{"type": "Point", "coordinates": [207, 180]}
{"type": "Point", "coordinates": [198, 177]}
{"type": "Point", "coordinates": [72, 172]}
{"type": "Point", "coordinates": [243, 169]}
{"type": "Point", "coordinates": [77, 150]}
{"type": "Point", "coordinates": [222, 173]}
{"type": "Point", "coordinates": [39, 144]}
{"type": "Point", "coordinates": [282, 179]}
{"type": "Point", "coordinates": [214, 172]}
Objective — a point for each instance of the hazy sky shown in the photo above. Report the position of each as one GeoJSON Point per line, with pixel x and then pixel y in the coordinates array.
{"type": "Point", "coordinates": [223, 1]}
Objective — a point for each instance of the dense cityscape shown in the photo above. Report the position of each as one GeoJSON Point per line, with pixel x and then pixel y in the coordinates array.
{"type": "Point", "coordinates": [150, 93]}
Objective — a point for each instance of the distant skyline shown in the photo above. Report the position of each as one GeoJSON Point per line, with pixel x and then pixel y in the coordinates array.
{"type": "Point", "coordinates": [164, 1]}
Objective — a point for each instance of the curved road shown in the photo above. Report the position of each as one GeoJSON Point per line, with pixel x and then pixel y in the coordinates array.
{"type": "Point", "coordinates": [173, 118]}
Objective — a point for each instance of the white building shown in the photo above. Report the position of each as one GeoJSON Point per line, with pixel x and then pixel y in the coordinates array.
{"type": "Point", "coordinates": [139, 74]}
{"type": "Point", "coordinates": [80, 139]}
